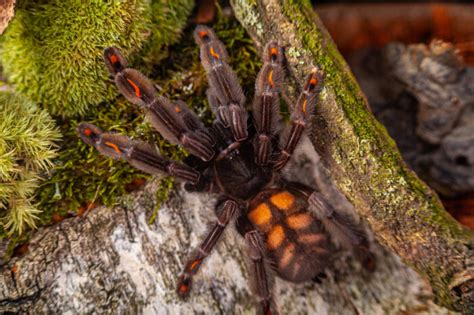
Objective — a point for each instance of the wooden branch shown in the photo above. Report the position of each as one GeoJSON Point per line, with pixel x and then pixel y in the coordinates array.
{"type": "Point", "coordinates": [405, 215]}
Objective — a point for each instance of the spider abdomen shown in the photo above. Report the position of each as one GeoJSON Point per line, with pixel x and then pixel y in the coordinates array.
{"type": "Point", "coordinates": [294, 239]}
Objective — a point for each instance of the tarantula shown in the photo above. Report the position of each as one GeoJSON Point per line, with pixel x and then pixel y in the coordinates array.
{"type": "Point", "coordinates": [289, 229]}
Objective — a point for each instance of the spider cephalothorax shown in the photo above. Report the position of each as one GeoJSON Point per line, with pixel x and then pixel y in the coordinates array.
{"type": "Point", "coordinates": [289, 228]}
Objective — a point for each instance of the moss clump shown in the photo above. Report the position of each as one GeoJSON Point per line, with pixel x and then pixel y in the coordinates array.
{"type": "Point", "coordinates": [52, 49]}
{"type": "Point", "coordinates": [26, 150]}
{"type": "Point", "coordinates": [167, 21]}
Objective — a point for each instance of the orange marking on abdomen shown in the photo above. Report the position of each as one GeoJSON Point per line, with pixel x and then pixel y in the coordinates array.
{"type": "Point", "coordinates": [287, 256]}
{"type": "Point", "coordinates": [310, 238]}
{"type": "Point", "coordinates": [275, 237]}
{"type": "Point", "coordinates": [113, 146]}
{"type": "Point", "coordinates": [213, 53]}
{"type": "Point", "coordinates": [177, 109]}
{"type": "Point", "coordinates": [299, 221]}
{"type": "Point", "coordinates": [135, 87]}
{"type": "Point", "coordinates": [195, 264]}
{"type": "Point", "coordinates": [261, 215]}
{"type": "Point", "coordinates": [283, 200]}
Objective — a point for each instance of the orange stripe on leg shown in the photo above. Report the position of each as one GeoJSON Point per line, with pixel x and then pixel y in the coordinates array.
{"type": "Point", "coordinates": [195, 264]}
{"type": "Point", "coordinates": [113, 146]}
{"type": "Point", "coordinates": [270, 79]}
{"type": "Point", "coordinates": [305, 104]}
{"type": "Point", "coordinates": [213, 53]}
{"type": "Point", "coordinates": [135, 87]}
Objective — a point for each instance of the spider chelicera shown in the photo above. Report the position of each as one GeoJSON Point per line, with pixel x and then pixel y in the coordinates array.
{"type": "Point", "coordinates": [289, 229]}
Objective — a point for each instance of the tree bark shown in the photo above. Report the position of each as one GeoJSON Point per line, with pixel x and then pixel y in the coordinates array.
{"type": "Point", "coordinates": [112, 261]}
{"type": "Point", "coordinates": [405, 215]}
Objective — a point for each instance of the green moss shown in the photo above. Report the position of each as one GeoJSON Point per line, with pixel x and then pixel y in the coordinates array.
{"type": "Point", "coordinates": [168, 18]}
{"type": "Point", "coordinates": [27, 134]}
{"type": "Point", "coordinates": [52, 49]}
{"type": "Point", "coordinates": [162, 194]}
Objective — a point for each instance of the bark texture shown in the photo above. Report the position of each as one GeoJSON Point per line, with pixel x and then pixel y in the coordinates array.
{"type": "Point", "coordinates": [405, 215]}
{"type": "Point", "coordinates": [113, 262]}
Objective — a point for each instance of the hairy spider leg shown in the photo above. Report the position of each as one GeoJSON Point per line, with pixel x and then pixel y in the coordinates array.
{"type": "Point", "coordinates": [262, 278]}
{"type": "Point", "coordinates": [139, 154]}
{"type": "Point", "coordinates": [265, 106]}
{"type": "Point", "coordinates": [300, 116]}
{"type": "Point", "coordinates": [165, 116]}
{"type": "Point", "coordinates": [256, 252]}
{"type": "Point", "coordinates": [225, 93]}
{"type": "Point", "coordinates": [229, 210]}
